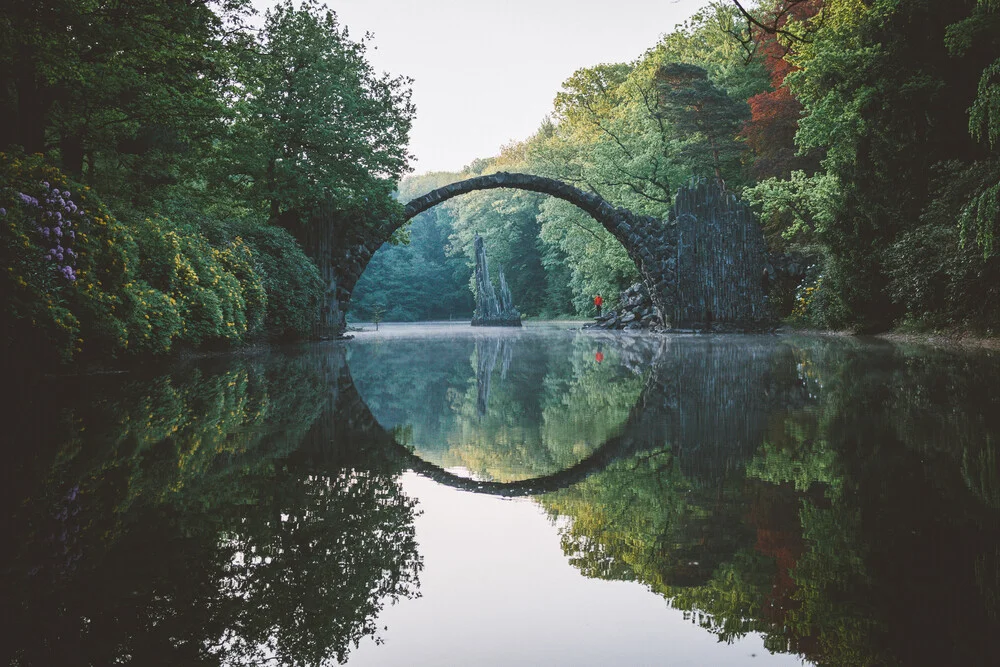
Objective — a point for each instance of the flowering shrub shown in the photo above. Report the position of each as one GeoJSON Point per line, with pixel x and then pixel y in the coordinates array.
{"type": "Point", "coordinates": [77, 280]}
{"type": "Point", "coordinates": [804, 297]}
{"type": "Point", "coordinates": [37, 256]}
{"type": "Point", "coordinates": [55, 214]}
{"type": "Point", "coordinates": [816, 303]}
{"type": "Point", "coordinates": [291, 281]}
{"type": "Point", "coordinates": [216, 291]}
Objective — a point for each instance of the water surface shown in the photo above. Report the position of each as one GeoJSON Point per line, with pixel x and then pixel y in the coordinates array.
{"type": "Point", "coordinates": [438, 495]}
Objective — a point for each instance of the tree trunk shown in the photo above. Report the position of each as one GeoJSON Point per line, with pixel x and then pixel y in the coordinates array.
{"type": "Point", "coordinates": [71, 149]}
{"type": "Point", "coordinates": [32, 105]}
{"type": "Point", "coordinates": [318, 240]}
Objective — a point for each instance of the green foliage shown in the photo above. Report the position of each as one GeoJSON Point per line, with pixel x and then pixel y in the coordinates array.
{"type": "Point", "coordinates": [984, 116]}
{"type": "Point", "coordinates": [508, 222]}
{"type": "Point", "coordinates": [156, 103]}
{"type": "Point", "coordinates": [596, 261]}
{"type": "Point", "coordinates": [882, 85]}
{"type": "Point", "coordinates": [186, 503]}
{"type": "Point", "coordinates": [204, 281]}
{"type": "Point", "coordinates": [315, 123]}
{"type": "Point", "coordinates": [292, 287]}
{"type": "Point", "coordinates": [796, 210]}
{"type": "Point", "coordinates": [125, 96]}
{"type": "Point", "coordinates": [142, 286]}
{"type": "Point", "coordinates": [48, 317]}
{"type": "Point", "coordinates": [942, 280]}
{"type": "Point", "coordinates": [704, 115]}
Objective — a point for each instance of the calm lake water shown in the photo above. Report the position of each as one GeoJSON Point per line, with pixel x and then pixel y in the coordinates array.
{"type": "Point", "coordinates": [438, 495]}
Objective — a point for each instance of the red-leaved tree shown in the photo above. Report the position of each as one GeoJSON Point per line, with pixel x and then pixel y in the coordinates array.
{"type": "Point", "coordinates": [774, 115]}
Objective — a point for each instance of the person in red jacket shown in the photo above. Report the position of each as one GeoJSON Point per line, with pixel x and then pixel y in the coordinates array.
{"type": "Point", "coordinates": [598, 302]}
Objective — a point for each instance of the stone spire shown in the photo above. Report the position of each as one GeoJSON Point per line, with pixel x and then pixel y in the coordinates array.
{"type": "Point", "coordinates": [492, 310]}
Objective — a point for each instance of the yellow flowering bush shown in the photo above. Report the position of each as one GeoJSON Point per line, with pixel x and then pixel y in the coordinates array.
{"type": "Point", "coordinates": [216, 292]}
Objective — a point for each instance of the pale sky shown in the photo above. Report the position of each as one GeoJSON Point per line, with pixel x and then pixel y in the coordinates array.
{"type": "Point", "coordinates": [485, 73]}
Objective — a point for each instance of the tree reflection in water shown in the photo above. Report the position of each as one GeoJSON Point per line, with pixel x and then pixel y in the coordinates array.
{"type": "Point", "coordinates": [837, 496]}
{"type": "Point", "coordinates": [860, 525]}
{"type": "Point", "coordinates": [842, 498]}
{"type": "Point", "coordinates": [184, 531]}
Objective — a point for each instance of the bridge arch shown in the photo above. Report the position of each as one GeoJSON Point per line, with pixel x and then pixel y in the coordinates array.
{"type": "Point", "coordinates": [701, 264]}
{"type": "Point", "coordinates": [648, 241]}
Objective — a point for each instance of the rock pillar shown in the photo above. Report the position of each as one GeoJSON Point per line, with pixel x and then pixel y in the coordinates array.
{"type": "Point", "coordinates": [492, 309]}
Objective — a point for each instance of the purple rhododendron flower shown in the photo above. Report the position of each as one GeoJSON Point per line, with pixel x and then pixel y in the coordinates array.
{"type": "Point", "coordinates": [66, 193]}
{"type": "Point", "coordinates": [3, 211]}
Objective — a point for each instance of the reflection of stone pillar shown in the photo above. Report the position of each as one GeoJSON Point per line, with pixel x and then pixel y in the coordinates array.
{"type": "Point", "coordinates": [492, 309]}
{"type": "Point", "coordinates": [487, 354]}
{"type": "Point", "coordinates": [721, 404]}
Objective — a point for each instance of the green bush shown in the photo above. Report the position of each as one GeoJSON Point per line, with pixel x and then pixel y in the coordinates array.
{"type": "Point", "coordinates": [57, 306]}
{"type": "Point", "coordinates": [291, 281]}
{"type": "Point", "coordinates": [940, 283]}
{"type": "Point", "coordinates": [77, 281]}
{"type": "Point", "coordinates": [816, 303]}
{"type": "Point", "coordinates": [218, 294]}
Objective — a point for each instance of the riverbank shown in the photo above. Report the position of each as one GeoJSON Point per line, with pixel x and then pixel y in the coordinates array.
{"type": "Point", "coordinates": [83, 284]}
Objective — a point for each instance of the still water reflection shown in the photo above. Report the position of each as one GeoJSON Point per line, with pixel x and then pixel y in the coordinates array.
{"type": "Point", "coordinates": [434, 495]}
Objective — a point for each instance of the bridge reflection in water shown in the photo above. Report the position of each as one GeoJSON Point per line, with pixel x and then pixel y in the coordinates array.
{"type": "Point", "coordinates": [706, 406]}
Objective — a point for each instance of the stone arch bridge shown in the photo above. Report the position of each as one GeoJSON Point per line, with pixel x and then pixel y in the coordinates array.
{"type": "Point", "coordinates": [702, 263]}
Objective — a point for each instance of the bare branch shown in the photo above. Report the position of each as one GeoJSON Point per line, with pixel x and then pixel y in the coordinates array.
{"type": "Point", "coordinates": [774, 28]}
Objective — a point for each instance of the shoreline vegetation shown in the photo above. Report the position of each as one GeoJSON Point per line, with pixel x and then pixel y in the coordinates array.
{"type": "Point", "coordinates": [183, 198]}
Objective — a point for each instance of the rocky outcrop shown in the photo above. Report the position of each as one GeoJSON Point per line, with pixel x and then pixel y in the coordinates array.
{"type": "Point", "coordinates": [492, 309]}
{"type": "Point", "coordinates": [635, 311]}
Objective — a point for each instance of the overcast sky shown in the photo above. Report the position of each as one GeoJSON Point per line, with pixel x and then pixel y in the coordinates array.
{"type": "Point", "coordinates": [485, 72]}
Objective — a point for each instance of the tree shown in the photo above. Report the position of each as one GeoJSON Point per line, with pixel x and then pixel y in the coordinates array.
{"type": "Point", "coordinates": [704, 115]}
{"type": "Point", "coordinates": [774, 114]}
{"type": "Point", "coordinates": [320, 138]}
{"type": "Point", "coordinates": [980, 216]}
{"type": "Point", "coordinates": [378, 311]}
{"type": "Point", "coordinates": [122, 94]}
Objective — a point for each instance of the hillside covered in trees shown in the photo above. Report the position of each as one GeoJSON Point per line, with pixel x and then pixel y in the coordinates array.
{"type": "Point", "coordinates": [864, 132]}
